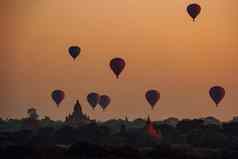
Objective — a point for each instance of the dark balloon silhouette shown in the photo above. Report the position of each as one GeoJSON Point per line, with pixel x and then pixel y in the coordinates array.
{"type": "Point", "coordinates": [152, 96]}
{"type": "Point", "coordinates": [93, 99]}
{"type": "Point", "coordinates": [217, 93]}
{"type": "Point", "coordinates": [74, 51]}
{"type": "Point", "coordinates": [117, 65]}
{"type": "Point", "coordinates": [57, 96]}
{"type": "Point", "coordinates": [104, 101]}
{"type": "Point", "coordinates": [194, 10]}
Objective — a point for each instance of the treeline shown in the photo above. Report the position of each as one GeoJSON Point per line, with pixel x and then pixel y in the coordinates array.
{"type": "Point", "coordinates": [201, 138]}
{"type": "Point", "coordinates": [207, 132]}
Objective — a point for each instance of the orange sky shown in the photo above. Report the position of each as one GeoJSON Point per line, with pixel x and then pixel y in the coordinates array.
{"type": "Point", "coordinates": [163, 48]}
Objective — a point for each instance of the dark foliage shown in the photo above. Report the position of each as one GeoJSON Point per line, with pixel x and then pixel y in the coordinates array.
{"type": "Point", "coordinates": [119, 139]}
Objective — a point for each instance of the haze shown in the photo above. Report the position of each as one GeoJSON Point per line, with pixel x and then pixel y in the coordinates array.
{"type": "Point", "coordinates": [163, 49]}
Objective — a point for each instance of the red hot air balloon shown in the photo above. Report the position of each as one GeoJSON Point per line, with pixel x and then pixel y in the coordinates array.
{"type": "Point", "coordinates": [104, 101]}
{"type": "Point", "coordinates": [57, 96]}
{"type": "Point", "coordinates": [74, 51]}
{"type": "Point", "coordinates": [217, 93]}
{"type": "Point", "coordinates": [152, 96]}
{"type": "Point", "coordinates": [93, 99]}
{"type": "Point", "coordinates": [117, 65]}
{"type": "Point", "coordinates": [194, 10]}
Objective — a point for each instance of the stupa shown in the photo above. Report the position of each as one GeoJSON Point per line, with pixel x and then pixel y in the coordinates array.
{"type": "Point", "coordinates": [78, 118]}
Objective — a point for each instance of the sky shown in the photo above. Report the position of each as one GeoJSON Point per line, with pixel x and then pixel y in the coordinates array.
{"type": "Point", "coordinates": [161, 45]}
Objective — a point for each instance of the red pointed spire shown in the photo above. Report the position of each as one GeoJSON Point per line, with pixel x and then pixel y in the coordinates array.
{"type": "Point", "coordinates": [151, 130]}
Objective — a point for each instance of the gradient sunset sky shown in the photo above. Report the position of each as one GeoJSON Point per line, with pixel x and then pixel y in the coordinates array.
{"type": "Point", "coordinates": [163, 49]}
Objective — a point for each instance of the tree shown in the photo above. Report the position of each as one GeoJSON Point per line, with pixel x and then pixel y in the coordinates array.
{"type": "Point", "coordinates": [32, 113]}
{"type": "Point", "coordinates": [47, 118]}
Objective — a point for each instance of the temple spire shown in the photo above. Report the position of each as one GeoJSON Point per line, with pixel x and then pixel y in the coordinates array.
{"type": "Point", "coordinates": [77, 107]}
{"type": "Point", "coordinates": [77, 118]}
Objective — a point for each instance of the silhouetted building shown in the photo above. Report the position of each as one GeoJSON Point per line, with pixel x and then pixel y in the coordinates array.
{"type": "Point", "coordinates": [151, 129]}
{"type": "Point", "coordinates": [78, 118]}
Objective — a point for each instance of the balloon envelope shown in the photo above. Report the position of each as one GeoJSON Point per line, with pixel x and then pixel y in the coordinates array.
{"type": "Point", "coordinates": [217, 93]}
{"type": "Point", "coordinates": [152, 96]}
{"type": "Point", "coordinates": [104, 101]}
{"type": "Point", "coordinates": [117, 65]}
{"type": "Point", "coordinates": [74, 51]}
{"type": "Point", "coordinates": [194, 10]}
{"type": "Point", "coordinates": [93, 99]}
{"type": "Point", "coordinates": [57, 96]}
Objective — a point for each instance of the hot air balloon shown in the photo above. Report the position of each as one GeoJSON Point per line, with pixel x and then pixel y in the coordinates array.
{"type": "Point", "coordinates": [93, 99]}
{"type": "Point", "coordinates": [194, 10]}
{"type": "Point", "coordinates": [57, 96]}
{"type": "Point", "coordinates": [74, 51]}
{"type": "Point", "coordinates": [117, 65]}
{"type": "Point", "coordinates": [104, 101]}
{"type": "Point", "coordinates": [152, 96]}
{"type": "Point", "coordinates": [217, 93]}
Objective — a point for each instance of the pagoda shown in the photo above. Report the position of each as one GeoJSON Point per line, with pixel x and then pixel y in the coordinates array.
{"type": "Point", "coordinates": [77, 118]}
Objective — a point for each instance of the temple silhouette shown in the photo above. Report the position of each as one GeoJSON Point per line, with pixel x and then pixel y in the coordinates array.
{"type": "Point", "coordinates": [78, 118]}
